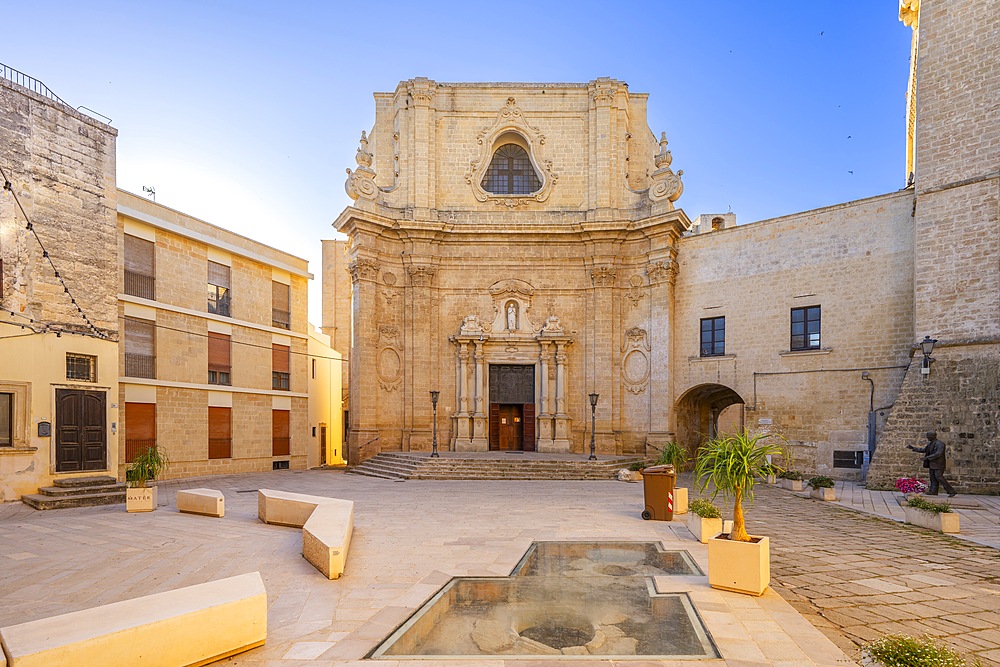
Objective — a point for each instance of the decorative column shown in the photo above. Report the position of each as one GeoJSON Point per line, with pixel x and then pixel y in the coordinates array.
{"type": "Point", "coordinates": [561, 442]}
{"type": "Point", "coordinates": [480, 436]}
{"type": "Point", "coordinates": [422, 370]}
{"type": "Point", "coordinates": [464, 433]}
{"type": "Point", "coordinates": [545, 424]}
{"type": "Point", "coordinates": [363, 442]}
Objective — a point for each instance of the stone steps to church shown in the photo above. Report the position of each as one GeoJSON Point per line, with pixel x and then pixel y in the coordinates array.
{"type": "Point", "coordinates": [64, 491]}
{"type": "Point", "coordinates": [43, 502]}
{"type": "Point", "coordinates": [77, 482]}
{"type": "Point", "coordinates": [399, 465]}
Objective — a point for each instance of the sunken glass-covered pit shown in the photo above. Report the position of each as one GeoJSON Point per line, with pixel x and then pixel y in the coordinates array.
{"type": "Point", "coordinates": [564, 598]}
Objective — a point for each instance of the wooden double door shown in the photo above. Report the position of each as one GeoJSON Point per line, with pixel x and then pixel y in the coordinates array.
{"type": "Point", "coordinates": [512, 407]}
{"type": "Point", "coordinates": [81, 434]}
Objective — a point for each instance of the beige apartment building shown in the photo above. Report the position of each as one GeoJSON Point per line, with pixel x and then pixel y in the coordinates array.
{"type": "Point", "coordinates": [214, 356]}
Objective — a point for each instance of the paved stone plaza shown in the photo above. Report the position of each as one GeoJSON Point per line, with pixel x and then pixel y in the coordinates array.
{"type": "Point", "coordinates": [851, 574]}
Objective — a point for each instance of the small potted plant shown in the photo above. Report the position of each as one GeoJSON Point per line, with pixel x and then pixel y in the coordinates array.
{"type": "Point", "coordinates": [906, 651]}
{"type": "Point", "coordinates": [936, 516]}
{"type": "Point", "coordinates": [791, 480]}
{"type": "Point", "coordinates": [822, 487]}
{"type": "Point", "coordinates": [705, 520]}
{"type": "Point", "coordinates": [145, 467]}
{"type": "Point", "coordinates": [732, 465]}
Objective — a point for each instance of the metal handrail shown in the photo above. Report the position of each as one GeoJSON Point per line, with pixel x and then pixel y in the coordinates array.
{"type": "Point", "coordinates": [29, 82]}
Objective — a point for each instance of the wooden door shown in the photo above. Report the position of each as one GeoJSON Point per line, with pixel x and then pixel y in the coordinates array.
{"type": "Point", "coordinates": [528, 438]}
{"type": "Point", "coordinates": [322, 444]}
{"type": "Point", "coordinates": [81, 440]}
{"type": "Point", "coordinates": [511, 427]}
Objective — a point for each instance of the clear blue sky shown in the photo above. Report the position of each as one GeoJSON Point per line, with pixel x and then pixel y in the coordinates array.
{"type": "Point", "coordinates": [246, 113]}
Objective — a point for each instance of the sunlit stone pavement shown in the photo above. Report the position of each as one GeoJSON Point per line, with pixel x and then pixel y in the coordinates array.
{"type": "Point", "coordinates": [851, 574]}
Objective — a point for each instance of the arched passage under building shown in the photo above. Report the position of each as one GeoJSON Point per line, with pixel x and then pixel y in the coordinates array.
{"type": "Point", "coordinates": [704, 412]}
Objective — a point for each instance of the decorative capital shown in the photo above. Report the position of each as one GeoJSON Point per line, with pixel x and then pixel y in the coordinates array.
{"type": "Point", "coordinates": [603, 276]}
{"type": "Point", "coordinates": [604, 90]}
{"type": "Point", "coordinates": [909, 13]}
{"type": "Point", "coordinates": [363, 269]}
{"type": "Point", "coordinates": [421, 276]}
{"type": "Point", "coordinates": [421, 90]}
{"type": "Point", "coordinates": [662, 271]}
{"type": "Point", "coordinates": [361, 183]}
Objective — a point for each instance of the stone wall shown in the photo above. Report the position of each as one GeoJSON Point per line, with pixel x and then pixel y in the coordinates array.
{"type": "Point", "coordinates": [337, 303]}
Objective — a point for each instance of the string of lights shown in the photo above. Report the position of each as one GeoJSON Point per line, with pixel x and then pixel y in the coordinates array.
{"type": "Point", "coordinates": [94, 331]}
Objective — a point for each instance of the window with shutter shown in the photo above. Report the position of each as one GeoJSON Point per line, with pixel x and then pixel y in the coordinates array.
{"type": "Point", "coordinates": [219, 297]}
{"type": "Point", "coordinates": [140, 267]}
{"type": "Point", "coordinates": [6, 419]}
{"type": "Point", "coordinates": [281, 315]}
{"type": "Point", "coordinates": [219, 358]}
{"type": "Point", "coordinates": [140, 429]}
{"type": "Point", "coordinates": [280, 364]}
{"type": "Point", "coordinates": [220, 433]}
{"type": "Point", "coordinates": [280, 433]}
{"type": "Point", "coordinates": [140, 348]}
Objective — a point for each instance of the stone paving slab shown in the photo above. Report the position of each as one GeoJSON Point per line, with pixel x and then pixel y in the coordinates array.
{"type": "Point", "coordinates": [410, 538]}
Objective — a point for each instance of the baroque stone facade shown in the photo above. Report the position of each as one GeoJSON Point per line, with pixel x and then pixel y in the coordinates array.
{"type": "Point", "coordinates": [595, 283]}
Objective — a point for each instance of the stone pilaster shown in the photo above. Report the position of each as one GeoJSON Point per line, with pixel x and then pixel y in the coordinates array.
{"type": "Point", "coordinates": [662, 273]}
{"type": "Point", "coordinates": [363, 441]}
{"type": "Point", "coordinates": [545, 424]}
{"type": "Point", "coordinates": [480, 421]}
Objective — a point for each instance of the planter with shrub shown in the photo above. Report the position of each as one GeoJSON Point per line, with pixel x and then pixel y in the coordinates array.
{"type": "Point", "coordinates": [934, 516]}
{"type": "Point", "coordinates": [791, 480]}
{"type": "Point", "coordinates": [822, 487]}
{"type": "Point", "coordinates": [144, 468]}
{"type": "Point", "coordinates": [705, 520]}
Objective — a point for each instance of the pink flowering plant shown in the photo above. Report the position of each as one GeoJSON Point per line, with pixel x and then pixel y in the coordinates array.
{"type": "Point", "coordinates": [911, 485]}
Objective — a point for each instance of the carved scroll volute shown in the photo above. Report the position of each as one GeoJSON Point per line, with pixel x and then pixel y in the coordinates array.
{"type": "Point", "coordinates": [662, 271]}
{"type": "Point", "coordinates": [361, 183]}
{"type": "Point", "coordinates": [666, 185]}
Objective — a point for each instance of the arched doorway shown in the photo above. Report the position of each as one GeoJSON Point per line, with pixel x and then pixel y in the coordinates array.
{"type": "Point", "coordinates": [705, 411]}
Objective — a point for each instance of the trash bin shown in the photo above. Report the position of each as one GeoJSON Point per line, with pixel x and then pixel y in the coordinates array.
{"type": "Point", "coordinates": [658, 491]}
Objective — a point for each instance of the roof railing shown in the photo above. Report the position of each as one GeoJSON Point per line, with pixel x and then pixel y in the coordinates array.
{"type": "Point", "coordinates": [29, 82]}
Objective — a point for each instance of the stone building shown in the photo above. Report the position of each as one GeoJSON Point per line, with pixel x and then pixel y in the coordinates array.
{"type": "Point", "coordinates": [220, 383]}
{"type": "Point", "coordinates": [516, 248]}
{"type": "Point", "coordinates": [59, 250]}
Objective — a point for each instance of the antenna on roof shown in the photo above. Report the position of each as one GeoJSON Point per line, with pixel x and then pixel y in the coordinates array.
{"type": "Point", "coordinates": [150, 191]}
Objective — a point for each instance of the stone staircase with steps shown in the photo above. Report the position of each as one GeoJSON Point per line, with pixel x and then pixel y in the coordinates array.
{"type": "Point", "coordinates": [77, 492]}
{"type": "Point", "coordinates": [407, 466]}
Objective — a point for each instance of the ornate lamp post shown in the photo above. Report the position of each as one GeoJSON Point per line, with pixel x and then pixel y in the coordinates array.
{"type": "Point", "coordinates": [593, 422]}
{"type": "Point", "coordinates": [434, 442]}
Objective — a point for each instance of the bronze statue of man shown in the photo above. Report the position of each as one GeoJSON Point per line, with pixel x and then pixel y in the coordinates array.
{"type": "Point", "coordinates": [934, 461]}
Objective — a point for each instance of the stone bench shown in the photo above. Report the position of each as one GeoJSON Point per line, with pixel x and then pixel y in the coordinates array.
{"type": "Point", "coordinates": [194, 625]}
{"type": "Point", "coordinates": [201, 501]}
{"type": "Point", "coordinates": [327, 525]}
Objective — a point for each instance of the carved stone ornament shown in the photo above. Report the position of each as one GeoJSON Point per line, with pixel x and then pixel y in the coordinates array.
{"type": "Point", "coordinates": [388, 361]}
{"type": "Point", "coordinates": [635, 360]}
{"type": "Point", "coordinates": [552, 325]}
{"type": "Point", "coordinates": [421, 276]}
{"type": "Point", "coordinates": [510, 119]}
{"type": "Point", "coordinates": [603, 276]}
{"type": "Point", "coordinates": [666, 184]}
{"type": "Point", "coordinates": [635, 291]}
{"type": "Point", "coordinates": [909, 12]}
{"type": "Point", "coordinates": [361, 183]}
{"type": "Point", "coordinates": [471, 326]}
{"type": "Point", "coordinates": [363, 269]}
{"type": "Point", "coordinates": [511, 304]}
{"type": "Point", "coordinates": [660, 271]}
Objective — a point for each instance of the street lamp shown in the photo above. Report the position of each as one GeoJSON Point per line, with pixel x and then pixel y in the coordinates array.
{"type": "Point", "coordinates": [593, 422]}
{"type": "Point", "coordinates": [927, 346]}
{"type": "Point", "coordinates": [434, 442]}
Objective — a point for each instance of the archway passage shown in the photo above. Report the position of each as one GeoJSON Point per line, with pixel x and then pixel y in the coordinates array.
{"type": "Point", "coordinates": [704, 412]}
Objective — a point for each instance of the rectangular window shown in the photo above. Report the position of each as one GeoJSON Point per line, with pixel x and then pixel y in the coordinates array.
{"type": "Point", "coordinates": [280, 363]}
{"type": "Point", "coordinates": [219, 300]}
{"type": "Point", "coordinates": [82, 367]}
{"type": "Point", "coordinates": [140, 267]}
{"type": "Point", "coordinates": [280, 440]}
{"type": "Point", "coordinates": [805, 328]}
{"type": "Point", "coordinates": [848, 459]}
{"type": "Point", "coordinates": [281, 311]}
{"type": "Point", "coordinates": [220, 433]}
{"type": "Point", "coordinates": [713, 336]}
{"type": "Point", "coordinates": [140, 429]}
{"type": "Point", "coordinates": [219, 358]}
{"type": "Point", "coordinates": [6, 419]}
{"type": "Point", "coordinates": [140, 348]}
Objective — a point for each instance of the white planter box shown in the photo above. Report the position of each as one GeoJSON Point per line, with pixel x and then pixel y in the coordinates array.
{"type": "Point", "coordinates": [681, 500]}
{"type": "Point", "coordinates": [140, 500]}
{"type": "Point", "coordinates": [824, 494]}
{"type": "Point", "coordinates": [792, 484]}
{"type": "Point", "coordinates": [703, 529]}
{"type": "Point", "coordinates": [944, 522]}
{"type": "Point", "coordinates": [742, 567]}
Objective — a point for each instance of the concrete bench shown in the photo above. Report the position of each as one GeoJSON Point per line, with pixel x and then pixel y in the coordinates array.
{"type": "Point", "coordinates": [327, 525]}
{"type": "Point", "coordinates": [195, 625]}
{"type": "Point", "coordinates": [202, 501]}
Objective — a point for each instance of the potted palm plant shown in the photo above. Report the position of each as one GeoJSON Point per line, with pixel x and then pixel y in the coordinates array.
{"type": "Point", "coordinates": [822, 487]}
{"type": "Point", "coordinates": [145, 467]}
{"type": "Point", "coordinates": [732, 465]}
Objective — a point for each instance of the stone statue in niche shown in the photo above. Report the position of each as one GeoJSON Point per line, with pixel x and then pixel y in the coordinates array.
{"type": "Point", "coordinates": [511, 316]}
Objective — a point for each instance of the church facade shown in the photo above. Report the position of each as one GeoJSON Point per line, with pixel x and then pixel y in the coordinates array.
{"type": "Point", "coordinates": [518, 249]}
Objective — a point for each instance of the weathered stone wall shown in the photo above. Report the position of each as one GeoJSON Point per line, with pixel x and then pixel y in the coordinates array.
{"type": "Point", "coordinates": [957, 254]}
{"type": "Point", "coordinates": [853, 260]}
{"type": "Point", "coordinates": [61, 164]}
{"type": "Point", "coordinates": [337, 303]}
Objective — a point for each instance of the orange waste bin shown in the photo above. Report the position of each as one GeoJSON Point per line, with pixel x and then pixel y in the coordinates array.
{"type": "Point", "coordinates": [658, 491]}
